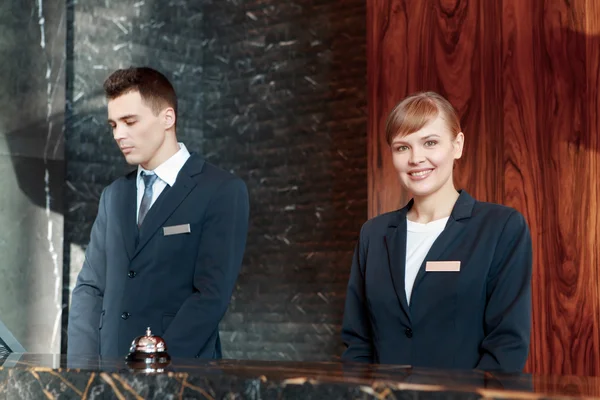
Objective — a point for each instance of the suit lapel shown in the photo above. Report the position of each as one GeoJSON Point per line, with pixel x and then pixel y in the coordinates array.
{"type": "Point", "coordinates": [453, 230]}
{"type": "Point", "coordinates": [169, 200]}
{"type": "Point", "coordinates": [395, 241]}
{"type": "Point", "coordinates": [126, 209]}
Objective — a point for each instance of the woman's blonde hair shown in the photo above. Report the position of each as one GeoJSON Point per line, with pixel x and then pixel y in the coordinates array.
{"type": "Point", "coordinates": [416, 111]}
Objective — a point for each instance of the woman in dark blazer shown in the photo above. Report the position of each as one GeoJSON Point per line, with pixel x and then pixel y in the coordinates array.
{"type": "Point", "coordinates": [445, 281]}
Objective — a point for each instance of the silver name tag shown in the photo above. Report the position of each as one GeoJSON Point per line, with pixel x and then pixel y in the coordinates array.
{"type": "Point", "coordinates": [176, 229]}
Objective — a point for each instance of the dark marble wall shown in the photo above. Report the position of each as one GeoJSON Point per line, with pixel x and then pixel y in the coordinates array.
{"type": "Point", "coordinates": [32, 82]}
{"type": "Point", "coordinates": [284, 86]}
{"type": "Point", "coordinates": [104, 35]}
{"type": "Point", "coordinates": [271, 90]}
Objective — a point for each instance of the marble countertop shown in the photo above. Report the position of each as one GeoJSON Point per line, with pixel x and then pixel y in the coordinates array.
{"type": "Point", "coordinates": [51, 376]}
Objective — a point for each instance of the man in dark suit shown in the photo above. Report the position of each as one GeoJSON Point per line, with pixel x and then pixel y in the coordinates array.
{"type": "Point", "coordinates": [168, 241]}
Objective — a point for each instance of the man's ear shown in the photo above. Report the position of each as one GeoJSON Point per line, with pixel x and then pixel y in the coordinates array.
{"type": "Point", "coordinates": [169, 118]}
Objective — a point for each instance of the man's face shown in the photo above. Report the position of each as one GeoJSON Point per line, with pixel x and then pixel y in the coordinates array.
{"type": "Point", "coordinates": [138, 131]}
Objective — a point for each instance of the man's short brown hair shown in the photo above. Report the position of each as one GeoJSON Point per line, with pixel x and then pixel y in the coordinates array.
{"type": "Point", "coordinates": [154, 88]}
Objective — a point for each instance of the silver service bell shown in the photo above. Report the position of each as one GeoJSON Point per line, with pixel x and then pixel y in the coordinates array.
{"type": "Point", "coordinates": [148, 353]}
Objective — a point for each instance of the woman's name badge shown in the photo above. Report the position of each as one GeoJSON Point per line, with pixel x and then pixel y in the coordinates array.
{"type": "Point", "coordinates": [442, 266]}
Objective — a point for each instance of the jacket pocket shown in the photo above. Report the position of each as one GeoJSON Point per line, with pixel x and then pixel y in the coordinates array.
{"type": "Point", "coordinates": [101, 319]}
{"type": "Point", "coordinates": [99, 329]}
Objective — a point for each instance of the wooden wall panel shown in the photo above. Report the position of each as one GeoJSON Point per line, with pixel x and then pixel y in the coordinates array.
{"type": "Point", "coordinates": [545, 164]}
{"type": "Point", "coordinates": [591, 237]}
{"type": "Point", "coordinates": [524, 76]}
{"type": "Point", "coordinates": [524, 160]}
{"type": "Point", "coordinates": [388, 79]}
{"type": "Point", "coordinates": [480, 86]}
{"type": "Point", "coordinates": [454, 50]}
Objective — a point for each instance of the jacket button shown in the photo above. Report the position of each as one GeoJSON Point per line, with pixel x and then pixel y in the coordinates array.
{"type": "Point", "coordinates": [408, 332]}
{"type": "Point", "coordinates": [125, 315]}
{"type": "Point", "coordinates": [131, 274]}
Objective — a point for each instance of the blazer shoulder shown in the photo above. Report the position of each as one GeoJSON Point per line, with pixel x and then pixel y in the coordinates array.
{"type": "Point", "coordinates": [118, 183]}
{"type": "Point", "coordinates": [493, 208]}
{"type": "Point", "coordinates": [380, 223]}
{"type": "Point", "coordinates": [499, 214]}
{"type": "Point", "coordinates": [219, 175]}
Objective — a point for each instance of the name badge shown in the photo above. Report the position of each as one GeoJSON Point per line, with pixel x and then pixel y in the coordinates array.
{"type": "Point", "coordinates": [176, 229]}
{"type": "Point", "coordinates": [442, 266]}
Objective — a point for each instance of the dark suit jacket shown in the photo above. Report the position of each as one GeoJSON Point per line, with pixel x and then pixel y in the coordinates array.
{"type": "Point", "coordinates": [178, 285]}
{"type": "Point", "coordinates": [478, 318]}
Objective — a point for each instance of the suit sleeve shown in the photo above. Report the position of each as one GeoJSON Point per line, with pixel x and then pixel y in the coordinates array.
{"type": "Point", "coordinates": [218, 263]}
{"type": "Point", "coordinates": [86, 300]}
{"type": "Point", "coordinates": [356, 331]}
{"type": "Point", "coordinates": [507, 319]}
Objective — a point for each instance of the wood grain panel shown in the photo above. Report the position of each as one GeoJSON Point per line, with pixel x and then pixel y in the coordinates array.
{"type": "Point", "coordinates": [476, 92]}
{"type": "Point", "coordinates": [449, 47]}
{"type": "Point", "coordinates": [387, 81]}
{"type": "Point", "coordinates": [524, 75]}
{"type": "Point", "coordinates": [546, 178]}
{"type": "Point", "coordinates": [591, 230]}
{"type": "Point", "coordinates": [522, 166]}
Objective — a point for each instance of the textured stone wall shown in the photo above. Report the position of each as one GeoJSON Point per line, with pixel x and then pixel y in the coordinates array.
{"type": "Point", "coordinates": [32, 93]}
{"type": "Point", "coordinates": [271, 90]}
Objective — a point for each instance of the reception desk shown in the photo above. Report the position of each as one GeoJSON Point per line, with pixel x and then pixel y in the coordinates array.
{"type": "Point", "coordinates": [41, 376]}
